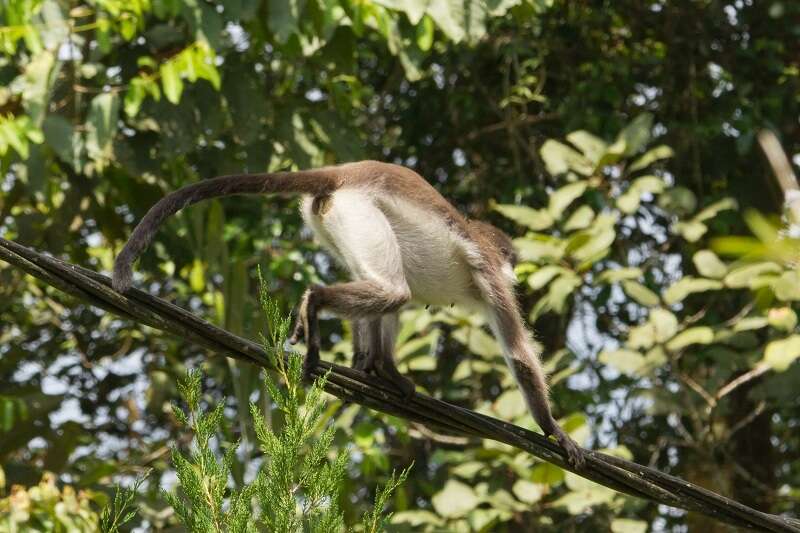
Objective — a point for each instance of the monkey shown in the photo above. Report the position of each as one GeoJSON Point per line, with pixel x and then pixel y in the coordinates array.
{"type": "Point", "coordinates": [400, 240]}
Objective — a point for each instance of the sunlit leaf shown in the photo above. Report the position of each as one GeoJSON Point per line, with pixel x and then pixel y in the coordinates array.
{"type": "Point", "coordinates": [651, 156]}
{"type": "Point", "coordinates": [634, 136]}
{"type": "Point", "coordinates": [689, 285]}
{"type": "Point", "coordinates": [696, 335]}
{"type": "Point", "coordinates": [547, 474]}
{"type": "Point", "coordinates": [580, 219]}
{"type": "Point", "coordinates": [535, 219]}
{"type": "Point", "coordinates": [628, 362]}
{"type": "Point", "coordinates": [171, 81]}
{"type": "Point", "coordinates": [561, 198]}
{"type": "Point", "coordinates": [592, 146]}
{"type": "Point", "coordinates": [560, 158]}
{"type": "Point", "coordinates": [510, 405]}
{"type": "Point", "coordinates": [528, 491]}
{"type": "Point", "coordinates": [782, 353]}
{"type": "Point", "coordinates": [543, 276]}
{"type": "Point", "coordinates": [539, 248]}
{"type": "Point", "coordinates": [783, 318]}
{"type": "Point", "coordinates": [102, 125]}
{"type": "Point", "coordinates": [665, 324]}
{"type": "Point", "coordinates": [787, 286]}
{"type": "Point", "coordinates": [455, 500]}
{"type": "Point", "coordinates": [640, 293]}
{"type": "Point", "coordinates": [751, 322]}
{"type": "Point", "coordinates": [709, 265]}
{"type": "Point", "coordinates": [740, 277]}
{"type": "Point", "coordinates": [627, 525]}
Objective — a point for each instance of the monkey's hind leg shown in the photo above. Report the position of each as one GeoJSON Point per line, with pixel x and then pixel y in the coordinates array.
{"type": "Point", "coordinates": [362, 359]}
{"type": "Point", "coordinates": [382, 336]}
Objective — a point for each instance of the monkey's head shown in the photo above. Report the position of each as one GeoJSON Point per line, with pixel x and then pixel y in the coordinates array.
{"type": "Point", "coordinates": [497, 238]}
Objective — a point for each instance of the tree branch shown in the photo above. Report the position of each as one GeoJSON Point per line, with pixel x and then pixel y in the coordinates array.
{"type": "Point", "coordinates": [354, 386]}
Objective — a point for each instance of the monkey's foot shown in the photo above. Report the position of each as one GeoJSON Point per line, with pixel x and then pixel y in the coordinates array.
{"type": "Point", "coordinates": [575, 454]}
{"type": "Point", "coordinates": [364, 362]}
{"type": "Point", "coordinates": [399, 381]}
{"type": "Point", "coordinates": [310, 363]}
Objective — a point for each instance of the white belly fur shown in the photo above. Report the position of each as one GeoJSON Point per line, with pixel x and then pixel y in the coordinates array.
{"type": "Point", "coordinates": [434, 258]}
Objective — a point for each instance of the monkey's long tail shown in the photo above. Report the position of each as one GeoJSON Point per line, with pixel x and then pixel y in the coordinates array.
{"type": "Point", "coordinates": [316, 182]}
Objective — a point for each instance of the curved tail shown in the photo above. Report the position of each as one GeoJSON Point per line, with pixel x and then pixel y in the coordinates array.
{"type": "Point", "coordinates": [315, 182]}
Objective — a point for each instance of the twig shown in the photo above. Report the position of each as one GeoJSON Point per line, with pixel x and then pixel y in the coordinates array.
{"type": "Point", "coordinates": [756, 371]}
{"type": "Point", "coordinates": [354, 386]}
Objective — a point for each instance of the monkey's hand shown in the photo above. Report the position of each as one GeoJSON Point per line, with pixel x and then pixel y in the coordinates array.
{"type": "Point", "coordinates": [575, 454]}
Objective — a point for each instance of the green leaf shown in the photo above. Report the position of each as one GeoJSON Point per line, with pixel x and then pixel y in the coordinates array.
{"type": "Point", "coordinates": [527, 491]}
{"type": "Point", "coordinates": [714, 209]}
{"type": "Point", "coordinates": [751, 322]}
{"type": "Point", "coordinates": [560, 158]}
{"type": "Point", "coordinates": [709, 265]}
{"type": "Point", "coordinates": [598, 241]}
{"type": "Point", "coordinates": [134, 97]}
{"type": "Point", "coordinates": [651, 156]}
{"type": "Point", "coordinates": [582, 218]}
{"type": "Point", "coordinates": [101, 125]}
{"type": "Point", "coordinates": [197, 280]}
{"type": "Point", "coordinates": [782, 318]}
{"type": "Point", "coordinates": [689, 285]}
{"type": "Point", "coordinates": [535, 219]}
{"type": "Point", "coordinates": [627, 525]}
{"type": "Point", "coordinates": [741, 277]}
{"type": "Point", "coordinates": [417, 518]}
{"type": "Point", "coordinates": [696, 335]}
{"type": "Point", "coordinates": [628, 362]}
{"type": "Point", "coordinates": [538, 248]}
{"type": "Point", "coordinates": [691, 231]}
{"type": "Point", "coordinates": [547, 474]}
{"type": "Point", "coordinates": [59, 135]}
{"type": "Point", "coordinates": [619, 274]}
{"type": "Point", "coordinates": [584, 495]}
{"type": "Point", "coordinates": [455, 500]}
{"type": "Point", "coordinates": [634, 136]}
{"type": "Point", "coordinates": [425, 33]}
{"type": "Point", "coordinates": [543, 276]}
{"type": "Point", "coordinates": [592, 146]}
{"type": "Point", "coordinates": [629, 201]}
{"type": "Point", "coordinates": [171, 81]}
{"type": "Point", "coordinates": [678, 200]}
{"type": "Point", "coordinates": [283, 18]}
{"type": "Point", "coordinates": [640, 293]}
{"type": "Point", "coordinates": [560, 290]}
{"type": "Point", "coordinates": [787, 286]}
{"type": "Point", "coordinates": [563, 197]}
{"type": "Point", "coordinates": [781, 354]}
{"type": "Point", "coordinates": [477, 341]}
{"type": "Point", "coordinates": [510, 405]}
{"type": "Point", "coordinates": [665, 324]}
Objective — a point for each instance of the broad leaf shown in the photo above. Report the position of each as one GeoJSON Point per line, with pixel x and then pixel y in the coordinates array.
{"type": "Point", "coordinates": [782, 353]}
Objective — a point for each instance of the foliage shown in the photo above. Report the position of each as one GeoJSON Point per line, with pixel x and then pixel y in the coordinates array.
{"type": "Point", "coordinates": [298, 487]}
{"type": "Point", "coordinates": [121, 509]}
{"type": "Point", "coordinates": [612, 142]}
{"type": "Point", "coordinates": [46, 507]}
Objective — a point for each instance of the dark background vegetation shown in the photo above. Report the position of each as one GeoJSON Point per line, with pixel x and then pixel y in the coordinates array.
{"type": "Point", "coordinates": [106, 105]}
